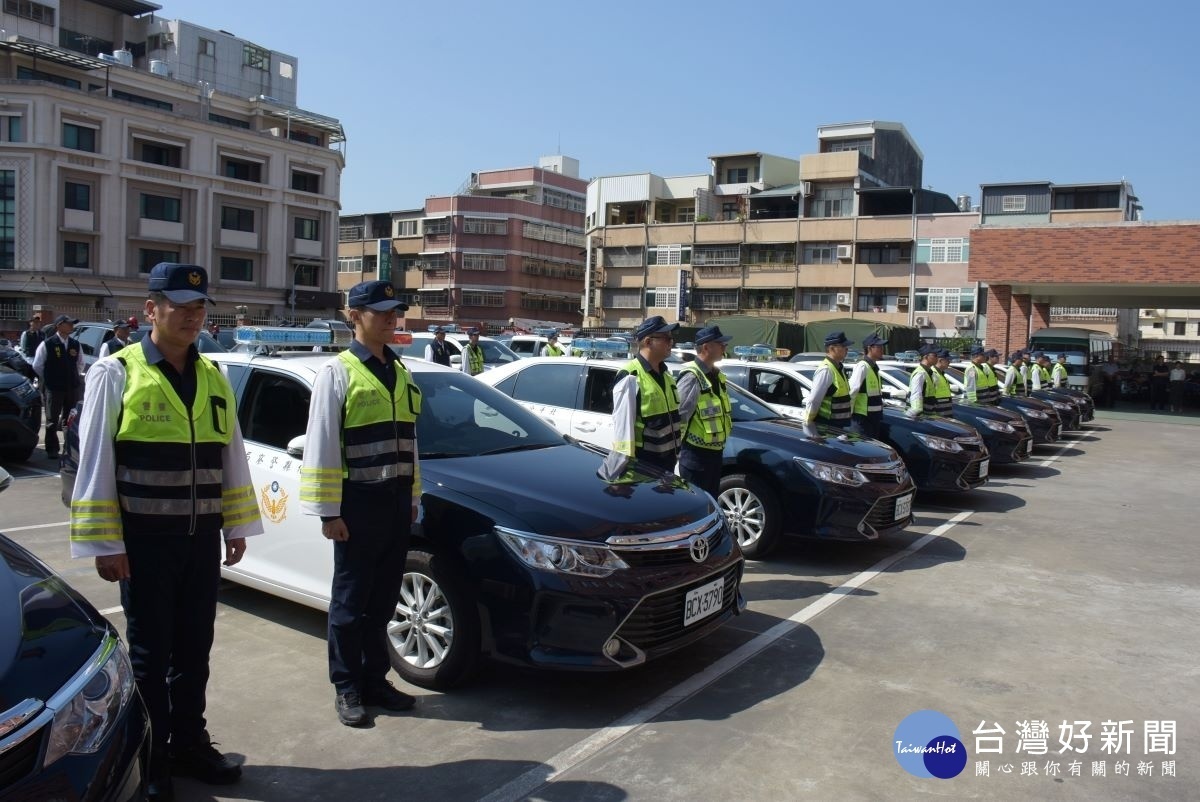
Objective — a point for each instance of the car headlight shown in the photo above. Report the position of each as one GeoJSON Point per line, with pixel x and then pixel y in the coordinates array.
{"type": "Point", "coordinates": [997, 425]}
{"type": "Point", "coordinates": [567, 556]}
{"type": "Point", "coordinates": [27, 390]}
{"type": "Point", "coordinates": [938, 443]}
{"type": "Point", "coordinates": [83, 719]}
{"type": "Point", "coordinates": [834, 474]}
{"type": "Point", "coordinates": [1036, 414]}
{"type": "Point", "coordinates": [1062, 406]}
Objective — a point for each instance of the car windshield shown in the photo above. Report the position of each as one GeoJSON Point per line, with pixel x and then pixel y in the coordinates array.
{"type": "Point", "coordinates": [462, 417]}
{"type": "Point", "coordinates": [746, 407]}
{"type": "Point", "coordinates": [495, 353]}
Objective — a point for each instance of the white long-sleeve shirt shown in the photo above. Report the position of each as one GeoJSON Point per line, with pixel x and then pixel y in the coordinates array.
{"type": "Point", "coordinates": [916, 390]}
{"type": "Point", "coordinates": [323, 440]}
{"type": "Point", "coordinates": [96, 479]}
{"type": "Point", "coordinates": [104, 349]}
{"type": "Point", "coordinates": [971, 382]}
{"type": "Point", "coordinates": [821, 380]}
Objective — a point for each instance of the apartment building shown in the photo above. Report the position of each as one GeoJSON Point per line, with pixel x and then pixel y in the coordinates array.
{"type": "Point", "coordinates": [127, 139]}
{"type": "Point", "coordinates": [508, 244]}
{"type": "Point", "coordinates": [1173, 333]}
{"type": "Point", "coordinates": [832, 234]}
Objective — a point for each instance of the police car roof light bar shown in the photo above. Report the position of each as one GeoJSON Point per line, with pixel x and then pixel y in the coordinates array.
{"type": "Point", "coordinates": [600, 346]}
{"type": "Point", "coordinates": [753, 352]}
{"type": "Point", "coordinates": [289, 337]}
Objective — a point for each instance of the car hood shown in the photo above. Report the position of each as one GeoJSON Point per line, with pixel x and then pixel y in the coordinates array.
{"type": "Point", "coordinates": [47, 630]}
{"type": "Point", "coordinates": [977, 411]}
{"type": "Point", "coordinates": [569, 491]}
{"type": "Point", "coordinates": [936, 426]}
{"type": "Point", "coordinates": [11, 381]}
{"type": "Point", "coordinates": [820, 442]}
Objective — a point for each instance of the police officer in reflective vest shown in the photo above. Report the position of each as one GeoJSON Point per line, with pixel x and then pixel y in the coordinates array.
{"type": "Point", "coordinates": [552, 348]}
{"type": "Point", "coordinates": [829, 400]}
{"type": "Point", "coordinates": [943, 397]}
{"type": "Point", "coordinates": [646, 422]}
{"type": "Point", "coordinates": [988, 369]}
{"type": "Point", "coordinates": [362, 476]}
{"type": "Point", "coordinates": [975, 383]}
{"type": "Point", "coordinates": [1014, 379]}
{"type": "Point", "coordinates": [58, 362]}
{"type": "Point", "coordinates": [437, 351]}
{"type": "Point", "coordinates": [119, 340]}
{"type": "Point", "coordinates": [472, 356]}
{"type": "Point", "coordinates": [705, 409]}
{"type": "Point", "coordinates": [162, 471]}
{"type": "Point", "coordinates": [1058, 374]}
{"type": "Point", "coordinates": [1039, 371]}
{"type": "Point", "coordinates": [920, 384]}
{"type": "Point", "coordinates": [866, 389]}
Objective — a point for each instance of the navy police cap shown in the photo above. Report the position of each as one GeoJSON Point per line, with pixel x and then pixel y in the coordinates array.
{"type": "Point", "coordinates": [927, 349]}
{"type": "Point", "coordinates": [836, 338]}
{"type": "Point", "coordinates": [182, 284]}
{"type": "Point", "coordinates": [654, 325]}
{"type": "Point", "coordinates": [379, 296]}
{"type": "Point", "coordinates": [711, 334]}
{"type": "Point", "coordinates": [977, 350]}
{"type": "Point", "coordinates": [873, 339]}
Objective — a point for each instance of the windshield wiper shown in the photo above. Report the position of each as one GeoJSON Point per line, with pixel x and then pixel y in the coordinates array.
{"type": "Point", "coordinates": [443, 454]}
{"type": "Point", "coordinates": [524, 447]}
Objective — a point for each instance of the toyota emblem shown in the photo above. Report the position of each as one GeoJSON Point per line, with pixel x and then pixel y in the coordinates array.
{"type": "Point", "coordinates": [699, 549]}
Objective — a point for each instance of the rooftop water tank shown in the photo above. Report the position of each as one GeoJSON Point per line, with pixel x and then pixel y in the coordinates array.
{"type": "Point", "coordinates": [124, 57]}
{"type": "Point", "coordinates": [159, 67]}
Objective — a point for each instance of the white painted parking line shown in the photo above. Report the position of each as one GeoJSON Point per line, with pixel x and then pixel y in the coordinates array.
{"type": "Point", "coordinates": [112, 610]}
{"type": "Point", "coordinates": [25, 470]}
{"type": "Point", "coordinates": [11, 529]}
{"type": "Point", "coordinates": [525, 784]}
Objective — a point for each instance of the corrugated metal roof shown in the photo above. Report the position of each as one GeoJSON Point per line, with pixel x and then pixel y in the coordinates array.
{"type": "Point", "coordinates": [777, 192]}
{"type": "Point", "coordinates": [133, 8]}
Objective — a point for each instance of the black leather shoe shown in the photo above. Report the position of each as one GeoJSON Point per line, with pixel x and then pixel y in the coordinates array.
{"type": "Point", "coordinates": [386, 696]}
{"type": "Point", "coordinates": [350, 709]}
{"type": "Point", "coordinates": [206, 764]}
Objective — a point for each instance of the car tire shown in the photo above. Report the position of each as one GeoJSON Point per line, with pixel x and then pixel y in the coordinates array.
{"type": "Point", "coordinates": [434, 637]}
{"type": "Point", "coordinates": [752, 512]}
{"type": "Point", "coordinates": [18, 454]}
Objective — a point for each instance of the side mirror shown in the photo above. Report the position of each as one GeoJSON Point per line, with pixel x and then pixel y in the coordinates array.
{"type": "Point", "coordinates": [295, 447]}
{"type": "Point", "coordinates": [456, 359]}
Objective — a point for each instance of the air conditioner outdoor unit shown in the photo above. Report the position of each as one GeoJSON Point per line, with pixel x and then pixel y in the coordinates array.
{"type": "Point", "coordinates": [921, 321]}
{"type": "Point", "coordinates": [845, 252]}
{"type": "Point", "coordinates": [843, 299]}
{"type": "Point", "coordinates": [962, 322]}
{"type": "Point", "coordinates": [806, 188]}
{"type": "Point", "coordinates": [902, 300]}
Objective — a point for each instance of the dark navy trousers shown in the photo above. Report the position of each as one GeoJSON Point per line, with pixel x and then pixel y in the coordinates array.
{"type": "Point", "coordinates": [367, 572]}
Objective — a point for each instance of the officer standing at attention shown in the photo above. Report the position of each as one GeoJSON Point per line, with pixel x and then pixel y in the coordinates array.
{"type": "Point", "coordinates": [552, 348]}
{"type": "Point", "coordinates": [829, 400]}
{"type": "Point", "coordinates": [162, 471]}
{"type": "Point", "coordinates": [646, 420]}
{"type": "Point", "coordinates": [472, 358]}
{"type": "Point", "coordinates": [32, 337]}
{"type": "Point", "coordinates": [1058, 374]}
{"type": "Point", "coordinates": [1039, 372]}
{"type": "Point", "coordinates": [119, 340]}
{"type": "Point", "coordinates": [920, 384]}
{"type": "Point", "coordinates": [58, 363]}
{"type": "Point", "coordinates": [988, 370]}
{"type": "Point", "coordinates": [943, 396]}
{"type": "Point", "coordinates": [437, 351]}
{"type": "Point", "coordinates": [705, 409]}
{"type": "Point", "coordinates": [866, 390]}
{"type": "Point", "coordinates": [974, 378]}
{"type": "Point", "coordinates": [1014, 379]}
{"type": "Point", "coordinates": [362, 476]}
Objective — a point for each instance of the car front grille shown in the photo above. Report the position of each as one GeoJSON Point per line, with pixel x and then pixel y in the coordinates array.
{"type": "Point", "coordinates": [882, 514]}
{"type": "Point", "coordinates": [675, 553]}
{"type": "Point", "coordinates": [19, 760]}
{"type": "Point", "coordinates": [9, 407]}
{"type": "Point", "coordinates": [658, 619]}
{"type": "Point", "coordinates": [971, 474]}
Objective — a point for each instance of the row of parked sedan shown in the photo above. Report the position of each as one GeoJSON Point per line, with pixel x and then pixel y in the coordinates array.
{"type": "Point", "coordinates": [533, 547]}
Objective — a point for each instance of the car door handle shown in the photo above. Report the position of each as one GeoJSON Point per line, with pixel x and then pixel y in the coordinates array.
{"type": "Point", "coordinates": [586, 427]}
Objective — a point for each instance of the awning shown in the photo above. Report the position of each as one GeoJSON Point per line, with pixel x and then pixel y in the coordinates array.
{"type": "Point", "coordinates": [58, 55]}
{"type": "Point", "coordinates": [778, 192]}
{"type": "Point", "coordinates": [134, 8]}
{"type": "Point", "coordinates": [309, 119]}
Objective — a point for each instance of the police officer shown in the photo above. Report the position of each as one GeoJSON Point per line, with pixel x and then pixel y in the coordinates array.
{"type": "Point", "coordinates": [705, 410]}
{"type": "Point", "coordinates": [437, 351]}
{"type": "Point", "coordinates": [988, 369]}
{"type": "Point", "coordinates": [1014, 379]}
{"type": "Point", "coordinates": [58, 363]}
{"type": "Point", "coordinates": [119, 340]}
{"type": "Point", "coordinates": [552, 348]}
{"type": "Point", "coordinates": [1058, 374]}
{"type": "Point", "coordinates": [829, 400]}
{"type": "Point", "coordinates": [472, 356]}
{"type": "Point", "coordinates": [1039, 373]}
{"type": "Point", "coordinates": [866, 389]}
{"type": "Point", "coordinates": [646, 421]}
{"type": "Point", "coordinates": [975, 383]}
{"type": "Point", "coordinates": [361, 475]}
{"type": "Point", "coordinates": [32, 337]}
{"type": "Point", "coordinates": [162, 471]}
{"type": "Point", "coordinates": [943, 396]}
{"type": "Point", "coordinates": [920, 384]}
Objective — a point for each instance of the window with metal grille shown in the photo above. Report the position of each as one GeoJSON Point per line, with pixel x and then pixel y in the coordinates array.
{"type": "Point", "coordinates": [484, 225]}
{"type": "Point", "coordinates": [483, 261]}
{"type": "Point", "coordinates": [482, 298]}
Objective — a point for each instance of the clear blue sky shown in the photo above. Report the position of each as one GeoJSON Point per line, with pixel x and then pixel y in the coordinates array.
{"type": "Point", "coordinates": [428, 92]}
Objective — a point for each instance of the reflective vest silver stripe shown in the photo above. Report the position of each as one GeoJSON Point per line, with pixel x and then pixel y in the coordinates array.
{"type": "Point", "coordinates": [204, 476]}
{"type": "Point", "coordinates": [170, 506]}
{"type": "Point", "coordinates": [379, 447]}
{"type": "Point", "coordinates": [380, 472]}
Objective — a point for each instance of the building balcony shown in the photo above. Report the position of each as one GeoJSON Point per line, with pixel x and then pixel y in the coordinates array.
{"type": "Point", "coordinates": [886, 229]}
{"type": "Point", "coordinates": [307, 247]}
{"type": "Point", "coordinates": [160, 229]}
{"type": "Point", "coordinates": [771, 231]}
{"type": "Point", "coordinates": [670, 234]}
{"type": "Point", "coordinates": [827, 229]}
{"type": "Point", "coordinates": [76, 220]}
{"type": "Point", "coordinates": [238, 239]}
{"type": "Point", "coordinates": [842, 166]}
{"type": "Point", "coordinates": [882, 275]}
{"type": "Point", "coordinates": [1087, 216]}
{"type": "Point", "coordinates": [719, 232]}
{"type": "Point", "coordinates": [825, 275]}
